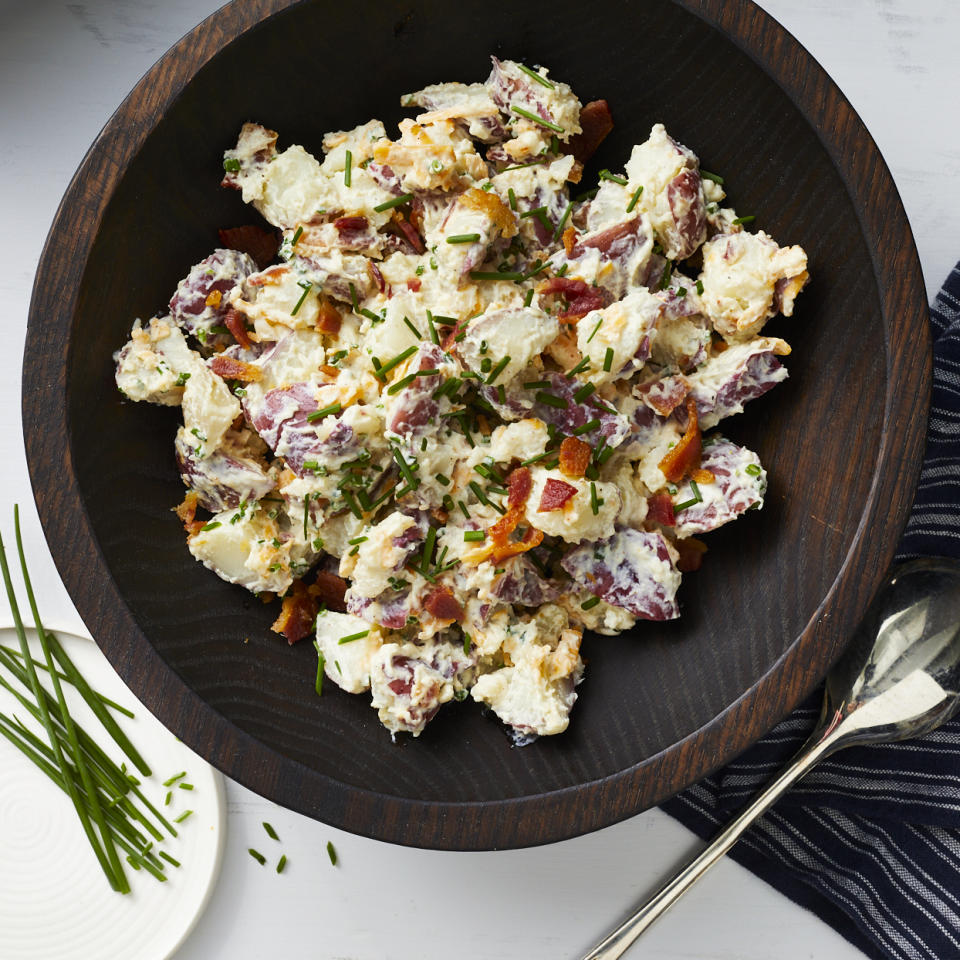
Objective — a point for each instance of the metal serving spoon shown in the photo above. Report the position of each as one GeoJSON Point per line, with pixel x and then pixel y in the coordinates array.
{"type": "Point", "coordinates": [899, 678]}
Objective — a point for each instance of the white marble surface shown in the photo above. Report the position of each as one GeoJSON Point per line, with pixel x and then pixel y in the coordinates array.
{"type": "Point", "coordinates": [64, 67]}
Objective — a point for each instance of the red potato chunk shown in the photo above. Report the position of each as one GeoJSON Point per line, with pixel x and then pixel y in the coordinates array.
{"type": "Point", "coordinates": [739, 485]}
{"type": "Point", "coordinates": [633, 569]}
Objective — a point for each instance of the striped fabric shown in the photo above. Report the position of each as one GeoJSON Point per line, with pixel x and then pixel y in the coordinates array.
{"type": "Point", "coordinates": [870, 839]}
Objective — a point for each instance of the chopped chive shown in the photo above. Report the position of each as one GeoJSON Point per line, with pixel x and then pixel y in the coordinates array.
{"type": "Point", "coordinates": [563, 222]}
{"type": "Point", "coordinates": [497, 370]}
{"type": "Point", "coordinates": [533, 213]}
{"type": "Point", "coordinates": [356, 540]}
{"type": "Point", "coordinates": [271, 833]}
{"type": "Point", "coordinates": [428, 546]}
{"type": "Point", "coordinates": [394, 202]}
{"type": "Point", "coordinates": [431, 328]}
{"type": "Point", "coordinates": [464, 238]}
{"type": "Point", "coordinates": [324, 412]}
{"type": "Point", "coordinates": [259, 857]}
{"type": "Point", "coordinates": [681, 291]}
{"type": "Point", "coordinates": [580, 367]}
{"type": "Point", "coordinates": [595, 329]}
{"type": "Point", "coordinates": [686, 503]}
{"type": "Point", "coordinates": [584, 392]}
{"type": "Point", "coordinates": [595, 501]}
{"type": "Point", "coordinates": [586, 428]}
{"type": "Point", "coordinates": [550, 400]}
{"type": "Point", "coordinates": [512, 197]}
{"type": "Point", "coordinates": [405, 469]}
{"type": "Point", "coordinates": [347, 169]}
{"type": "Point", "coordinates": [538, 457]}
{"type": "Point", "coordinates": [466, 642]}
{"type": "Point", "coordinates": [535, 384]}
{"type": "Point", "coordinates": [590, 603]}
{"type": "Point", "coordinates": [521, 166]}
{"type": "Point", "coordinates": [753, 469]}
{"type": "Point", "coordinates": [369, 314]}
{"type": "Point", "coordinates": [351, 504]}
{"type": "Point", "coordinates": [608, 360]}
{"type": "Point", "coordinates": [700, 288]}
{"type": "Point", "coordinates": [166, 856]}
{"type": "Point", "coordinates": [543, 81]}
{"type": "Point", "coordinates": [748, 219]}
{"type": "Point", "coordinates": [494, 275]}
{"type": "Point", "coordinates": [231, 165]}
{"type": "Point", "coordinates": [212, 525]}
{"type": "Point", "coordinates": [385, 368]}
{"type": "Point", "coordinates": [401, 383]}
{"type": "Point", "coordinates": [586, 195]}
{"type": "Point", "coordinates": [478, 493]}
{"type": "Point", "coordinates": [434, 372]}
{"type": "Point", "coordinates": [528, 299]}
{"type": "Point", "coordinates": [168, 798]}
{"type": "Point", "coordinates": [549, 124]}
{"type": "Point", "coordinates": [442, 479]}
{"type": "Point", "coordinates": [607, 175]}
{"type": "Point", "coordinates": [696, 491]}
{"type": "Point", "coordinates": [350, 637]}
{"type": "Point", "coordinates": [281, 863]}
{"type": "Point", "coordinates": [321, 663]}
{"type": "Point", "coordinates": [716, 178]}
{"type": "Point", "coordinates": [306, 287]}
{"type": "Point", "coordinates": [634, 198]}
{"type": "Point", "coordinates": [665, 276]}
{"type": "Point", "coordinates": [183, 816]}
{"type": "Point", "coordinates": [297, 235]}
{"type": "Point", "coordinates": [413, 329]}
{"type": "Point", "coordinates": [186, 786]}
{"type": "Point", "coordinates": [174, 779]}
{"type": "Point", "coordinates": [331, 853]}
{"type": "Point", "coordinates": [473, 536]}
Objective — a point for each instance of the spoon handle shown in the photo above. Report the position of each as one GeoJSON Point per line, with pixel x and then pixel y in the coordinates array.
{"type": "Point", "coordinates": [616, 944]}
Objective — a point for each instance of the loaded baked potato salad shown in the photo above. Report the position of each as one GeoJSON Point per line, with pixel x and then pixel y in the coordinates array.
{"type": "Point", "coordinates": [450, 409]}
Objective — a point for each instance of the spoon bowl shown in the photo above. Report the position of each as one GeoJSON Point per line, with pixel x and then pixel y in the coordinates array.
{"type": "Point", "coordinates": [899, 677]}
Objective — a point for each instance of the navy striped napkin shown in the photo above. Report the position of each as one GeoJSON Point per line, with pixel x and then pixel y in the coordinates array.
{"type": "Point", "coordinates": [870, 839]}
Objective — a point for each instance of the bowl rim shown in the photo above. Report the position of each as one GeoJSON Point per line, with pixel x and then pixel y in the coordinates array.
{"type": "Point", "coordinates": [532, 819]}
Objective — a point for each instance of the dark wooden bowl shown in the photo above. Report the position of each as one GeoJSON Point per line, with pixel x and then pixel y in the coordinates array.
{"type": "Point", "coordinates": [779, 592]}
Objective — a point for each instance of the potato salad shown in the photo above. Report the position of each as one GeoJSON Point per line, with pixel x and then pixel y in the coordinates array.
{"type": "Point", "coordinates": [452, 406]}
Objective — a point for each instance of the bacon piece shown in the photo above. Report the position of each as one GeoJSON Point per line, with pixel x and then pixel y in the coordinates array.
{"type": "Point", "coordinates": [260, 244]}
{"type": "Point", "coordinates": [414, 285]}
{"type": "Point", "coordinates": [702, 476]}
{"type": "Point", "coordinates": [685, 456]}
{"type": "Point", "coordinates": [660, 509]}
{"type": "Point", "coordinates": [187, 512]}
{"type": "Point", "coordinates": [555, 494]}
{"type": "Point", "coordinates": [328, 317]}
{"type": "Point", "coordinates": [297, 612]}
{"type": "Point", "coordinates": [330, 591]}
{"type": "Point", "coordinates": [213, 299]}
{"type": "Point", "coordinates": [595, 123]}
{"type": "Point", "coordinates": [232, 369]}
{"type": "Point", "coordinates": [233, 321]}
{"type": "Point", "coordinates": [691, 553]}
{"type": "Point", "coordinates": [569, 240]}
{"type": "Point", "coordinates": [499, 546]}
{"type": "Point", "coordinates": [442, 604]}
{"type": "Point", "coordinates": [574, 457]}
{"type": "Point", "coordinates": [580, 296]}
{"type": "Point", "coordinates": [519, 485]}
{"type": "Point", "coordinates": [409, 232]}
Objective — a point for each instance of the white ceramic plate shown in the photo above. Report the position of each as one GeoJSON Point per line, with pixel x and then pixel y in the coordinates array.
{"type": "Point", "coordinates": [55, 903]}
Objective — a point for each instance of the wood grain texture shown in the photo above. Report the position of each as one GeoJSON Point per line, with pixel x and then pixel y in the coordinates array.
{"type": "Point", "coordinates": [779, 591]}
